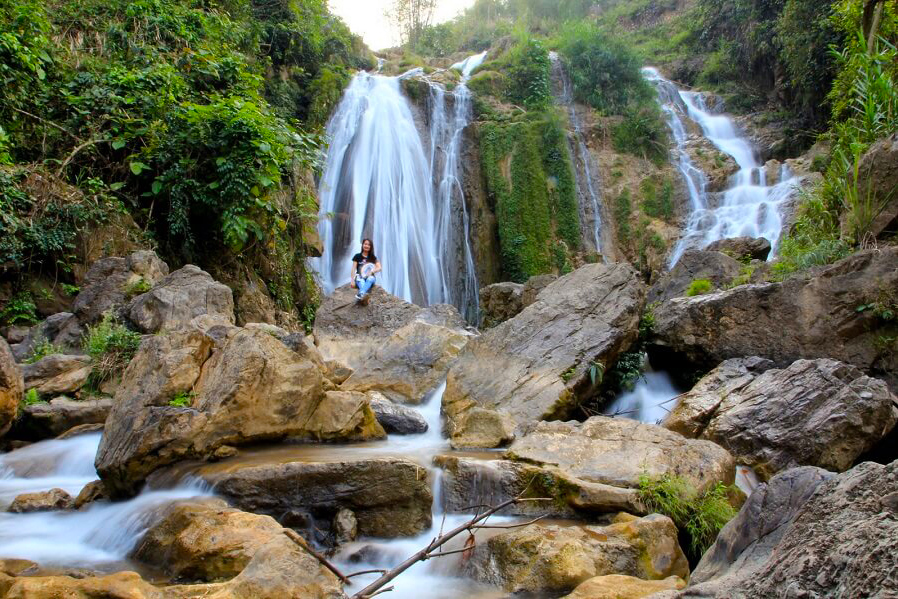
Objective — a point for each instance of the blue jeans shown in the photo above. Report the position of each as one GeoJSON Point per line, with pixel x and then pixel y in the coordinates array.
{"type": "Point", "coordinates": [365, 285]}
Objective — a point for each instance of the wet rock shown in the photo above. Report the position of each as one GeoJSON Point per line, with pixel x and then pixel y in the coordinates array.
{"type": "Point", "coordinates": [414, 359]}
{"type": "Point", "coordinates": [47, 420]}
{"type": "Point", "coordinates": [813, 413]}
{"type": "Point", "coordinates": [395, 418]}
{"type": "Point", "coordinates": [713, 266]}
{"type": "Point", "coordinates": [92, 491]}
{"type": "Point", "coordinates": [878, 175]}
{"type": "Point", "coordinates": [617, 451]}
{"type": "Point", "coordinates": [345, 526]}
{"type": "Point", "coordinates": [540, 364]}
{"type": "Point", "coordinates": [555, 559]}
{"type": "Point", "coordinates": [808, 533]}
{"type": "Point", "coordinates": [11, 387]}
{"type": "Point", "coordinates": [110, 282]}
{"type": "Point", "coordinates": [250, 388]}
{"type": "Point", "coordinates": [742, 248]}
{"type": "Point", "coordinates": [57, 373]}
{"type": "Point", "coordinates": [178, 299]}
{"type": "Point", "coordinates": [82, 429]}
{"type": "Point", "coordinates": [390, 497]}
{"type": "Point", "coordinates": [43, 501]}
{"type": "Point", "coordinates": [122, 585]}
{"type": "Point", "coordinates": [499, 302]}
{"type": "Point", "coordinates": [616, 586]}
{"type": "Point", "coordinates": [812, 317]}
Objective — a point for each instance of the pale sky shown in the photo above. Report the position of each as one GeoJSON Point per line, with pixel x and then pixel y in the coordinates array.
{"type": "Point", "coordinates": [366, 18]}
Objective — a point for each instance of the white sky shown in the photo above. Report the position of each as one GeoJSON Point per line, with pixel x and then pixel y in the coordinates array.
{"type": "Point", "coordinates": [366, 18]}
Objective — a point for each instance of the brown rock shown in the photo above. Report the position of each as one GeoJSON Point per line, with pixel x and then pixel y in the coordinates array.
{"type": "Point", "coordinates": [344, 416]}
{"type": "Point", "coordinates": [123, 585]}
{"type": "Point", "coordinates": [11, 387]}
{"type": "Point", "coordinates": [92, 491]}
{"type": "Point", "coordinates": [107, 285]}
{"type": "Point", "coordinates": [616, 586]}
{"type": "Point", "coordinates": [742, 248]}
{"type": "Point", "coordinates": [179, 298]}
{"type": "Point", "coordinates": [499, 302]}
{"type": "Point", "coordinates": [542, 363]}
{"type": "Point", "coordinates": [54, 499]}
{"type": "Point", "coordinates": [47, 420]}
{"type": "Point", "coordinates": [713, 266]}
{"type": "Point", "coordinates": [878, 175]}
{"type": "Point", "coordinates": [57, 373]}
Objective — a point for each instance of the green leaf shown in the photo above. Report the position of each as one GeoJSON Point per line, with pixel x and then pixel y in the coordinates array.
{"type": "Point", "coordinates": [118, 144]}
{"type": "Point", "coordinates": [138, 167]}
{"type": "Point", "coordinates": [157, 186]}
{"type": "Point", "coordinates": [116, 186]}
{"type": "Point", "coordinates": [265, 147]}
{"type": "Point", "coordinates": [266, 182]}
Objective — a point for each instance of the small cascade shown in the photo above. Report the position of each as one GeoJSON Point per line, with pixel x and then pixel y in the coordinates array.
{"type": "Point", "coordinates": [750, 206]}
{"type": "Point", "coordinates": [588, 193]}
{"type": "Point", "coordinates": [649, 401]}
{"type": "Point", "coordinates": [100, 536]}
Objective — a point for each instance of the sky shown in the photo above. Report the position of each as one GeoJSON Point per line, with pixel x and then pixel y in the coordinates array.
{"type": "Point", "coordinates": [366, 18]}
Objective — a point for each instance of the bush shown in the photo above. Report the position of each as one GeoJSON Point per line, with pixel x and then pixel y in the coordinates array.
{"type": "Point", "coordinates": [111, 347]}
{"type": "Point", "coordinates": [527, 72]}
{"type": "Point", "coordinates": [658, 203]}
{"type": "Point", "coordinates": [698, 516]}
{"type": "Point", "coordinates": [19, 310]}
{"type": "Point", "coordinates": [183, 399]}
{"type": "Point", "coordinates": [642, 133]}
{"type": "Point", "coordinates": [699, 287]}
{"type": "Point", "coordinates": [31, 397]}
{"type": "Point", "coordinates": [41, 350]}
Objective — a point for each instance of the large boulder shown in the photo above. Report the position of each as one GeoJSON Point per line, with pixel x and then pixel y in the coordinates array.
{"type": "Point", "coordinates": [57, 373]}
{"type": "Point", "coordinates": [808, 533]}
{"type": "Point", "coordinates": [821, 316]}
{"type": "Point", "coordinates": [179, 298]}
{"type": "Point", "coordinates": [555, 559]}
{"type": "Point", "coordinates": [390, 497]}
{"type": "Point", "coordinates": [543, 362]}
{"type": "Point", "coordinates": [693, 265]}
{"type": "Point", "coordinates": [618, 586]}
{"type": "Point", "coordinates": [11, 387]}
{"type": "Point", "coordinates": [122, 585]}
{"type": "Point", "coordinates": [396, 418]}
{"type": "Point", "coordinates": [414, 359]}
{"type": "Point", "coordinates": [878, 176]}
{"type": "Point", "coordinates": [110, 282]}
{"type": "Point", "coordinates": [813, 413]}
{"type": "Point", "coordinates": [250, 388]}
{"type": "Point", "coordinates": [742, 248]}
{"type": "Point", "coordinates": [47, 420]}
{"type": "Point", "coordinates": [62, 330]}
{"type": "Point", "coordinates": [617, 451]}
{"type": "Point", "coordinates": [499, 302]}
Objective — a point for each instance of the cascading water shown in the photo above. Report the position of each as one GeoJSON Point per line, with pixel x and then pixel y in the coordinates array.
{"type": "Point", "coordinates": [749, 206]}
{"type": "Point", "coordinates": [378, 182]}
{"type": "Point", "coordinates": [588, 194]}
{"type": "Point", "coordinates": [100, 536]}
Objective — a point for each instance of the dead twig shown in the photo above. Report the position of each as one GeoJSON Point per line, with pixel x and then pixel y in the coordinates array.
{"type": "Point", "coordinates": [296, 538]}
{"type": "Point", "coordinates": [46, 122]}
{"type": "Point", "coordinates": [74, 153]}
{"type": "Point", "coordinates": [505, 526]}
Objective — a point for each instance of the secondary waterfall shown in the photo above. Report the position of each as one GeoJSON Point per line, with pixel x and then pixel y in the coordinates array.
{"type": "Point", "coordinates": [588, 194]}
{"type": "Point", "coordinates": [749, 206]}
{"type": "Point", "coordinates": [379, 182]}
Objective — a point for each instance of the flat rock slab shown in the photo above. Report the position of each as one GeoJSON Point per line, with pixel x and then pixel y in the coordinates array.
{"type": "Point", "coordinates": [617, 451]}
{"type": "Point", "coordinates": [390, 497]}
{"type": "Point", "coordinates": [47, 420]}
{"type": "Point", "coordinates": [814, 413]}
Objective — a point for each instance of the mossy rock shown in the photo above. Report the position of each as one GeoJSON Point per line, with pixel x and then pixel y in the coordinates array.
{"type": "Point", "coordinates": [490, 83]}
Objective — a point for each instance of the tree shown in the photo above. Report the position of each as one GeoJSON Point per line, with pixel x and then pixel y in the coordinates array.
{"type": "Point", "coordinates": [411, 17]}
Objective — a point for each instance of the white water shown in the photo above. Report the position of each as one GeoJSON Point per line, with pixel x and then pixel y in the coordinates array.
{"type": "Point", "coordinates": [750, 206]}
{"type": "Point", "coordinates": [101, 535]}
{"type": "Point", "coordinates": [379, 182]}
{"type": "Point", "coordinates": [648, 401]}
{"type": "Point", "coordinates": [589, 196]}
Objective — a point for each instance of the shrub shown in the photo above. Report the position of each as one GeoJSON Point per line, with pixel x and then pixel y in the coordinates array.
{"type": "Point", "coordinates": [698, 516]}
{"type": "Point", "coordinates": [19, 310]}
{"type": "Point", "coordinates": [111, 347]}
{"type": "Point", "coordinates": [642, 133]}
{"type": "Point", "coordinates": [699, 287]}
{"type": "Point", "coordinates": [139, 286]}
{"type": "Point", "coordinates": [42, 349]}
{"type": "Point", "coordinates": [183, 399]}
{"type": "Point", "coordinates": [527, 72]}
{"type": "Point", "coordinates": [31, 397]}
{"type": "Point", "coordinates": [622, 210]}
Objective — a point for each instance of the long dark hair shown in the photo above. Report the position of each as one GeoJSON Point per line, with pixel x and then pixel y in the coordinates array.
{"type": "Point", "coordinates": [371, 251]}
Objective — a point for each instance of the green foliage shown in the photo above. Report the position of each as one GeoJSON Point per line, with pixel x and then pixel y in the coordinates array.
{"type": "Point", "coordinates": [139, 286]}
{"type": "Point", "coordinates": [642, 133]}
{"type": "Point", "coordinates": [622, 210]}
{"type": "Point", "coordinates": [41, 349]}
{"type": "Point", "coordinates": [658, 203]}
{"type": "Point", "coordinates": [699, 287]}
{"type": "Point", "coordinates": [699, 516]}
{"type": "Point", "coordinates": [31, 397]}
{"type": "Point", "coordinates": [111, 346]}
{"type": "Point", "coordinates": [182, 399]}
{"type": "Point", "coordinates": [527, 71]}
{"type": "Point", "coordinates": [20, 309]}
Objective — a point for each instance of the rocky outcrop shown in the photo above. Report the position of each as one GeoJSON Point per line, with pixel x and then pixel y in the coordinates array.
{"type": "Point", "coordinates": [179, 298]}
{"type": "Point", "coordinates": [616, 586]}
{"type": "Point", "coordinates": [499, 302]}
{"type": "Point", "coordinates": [815, 317]}
{"type": "Point", "coordinates": [122, 585]}
{"type": "Point", "coordinates": [57, 373]}
{"type": "Point", "coordinates": [389, 497]}
{"type": "Point", "coordinates": [808, 533]}
{"type": "Point", "coordinates": [554, 559]}
{"type": "Point", "coordinates": [413, 359]}
{"type": "Point", "coordinates": [716, 267]}
{"type": "Point", "coordinates": [54, 499]}
{"type": "Point", "coordinates": [742, 248]}
{"type": "Point", "coordinates": [396, 418]}
{"type": "Point", "coordinates": [248, 389]}
{"type": "Point", "coordinates": [813, 413]}
{"type": "Point", "coordinates": [878, 176]}
{"type": "Point", "coordinates": [11, 387]}
{"type": "Point", "coordinates": [617, 451]}
{"type": "Point", "coordinates": [47, 420]}
{"type": "Point", "coordinates": [110, 282]}
{"type": "Point", "coordinates": [543, 362]}
{"type": "Point", "coordinates": [62, 330]}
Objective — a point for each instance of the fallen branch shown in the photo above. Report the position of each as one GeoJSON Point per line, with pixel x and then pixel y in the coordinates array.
{"type": "Point", "coordinates": [74, 153]}
{"type": "Point", "coordinates": [296, 538]}
{"type": "Point", "coordinates": [47, 122]}
{"type": "Point", "coordinates": [429, 552]}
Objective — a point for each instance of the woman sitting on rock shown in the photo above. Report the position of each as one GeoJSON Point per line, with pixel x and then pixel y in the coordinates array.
{"type": "Point", "coordinates": [364, 266]}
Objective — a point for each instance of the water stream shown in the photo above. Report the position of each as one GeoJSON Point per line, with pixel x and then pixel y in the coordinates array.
{"type": "Point", "coordinates": [751, 205]}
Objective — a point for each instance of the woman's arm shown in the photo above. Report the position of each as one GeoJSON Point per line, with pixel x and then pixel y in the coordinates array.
{"type": "Point", "coordinates": [377, 268]}
{"type": "Point", "coordinates": [355, 267]}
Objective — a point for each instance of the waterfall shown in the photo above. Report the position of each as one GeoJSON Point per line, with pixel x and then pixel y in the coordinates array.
{"type": "Point", "coordinates": [749, 206]}
{"type": "Point", "coordinates": [587, 193]}
{"type": "Point", "coordinates": [379, 182]}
